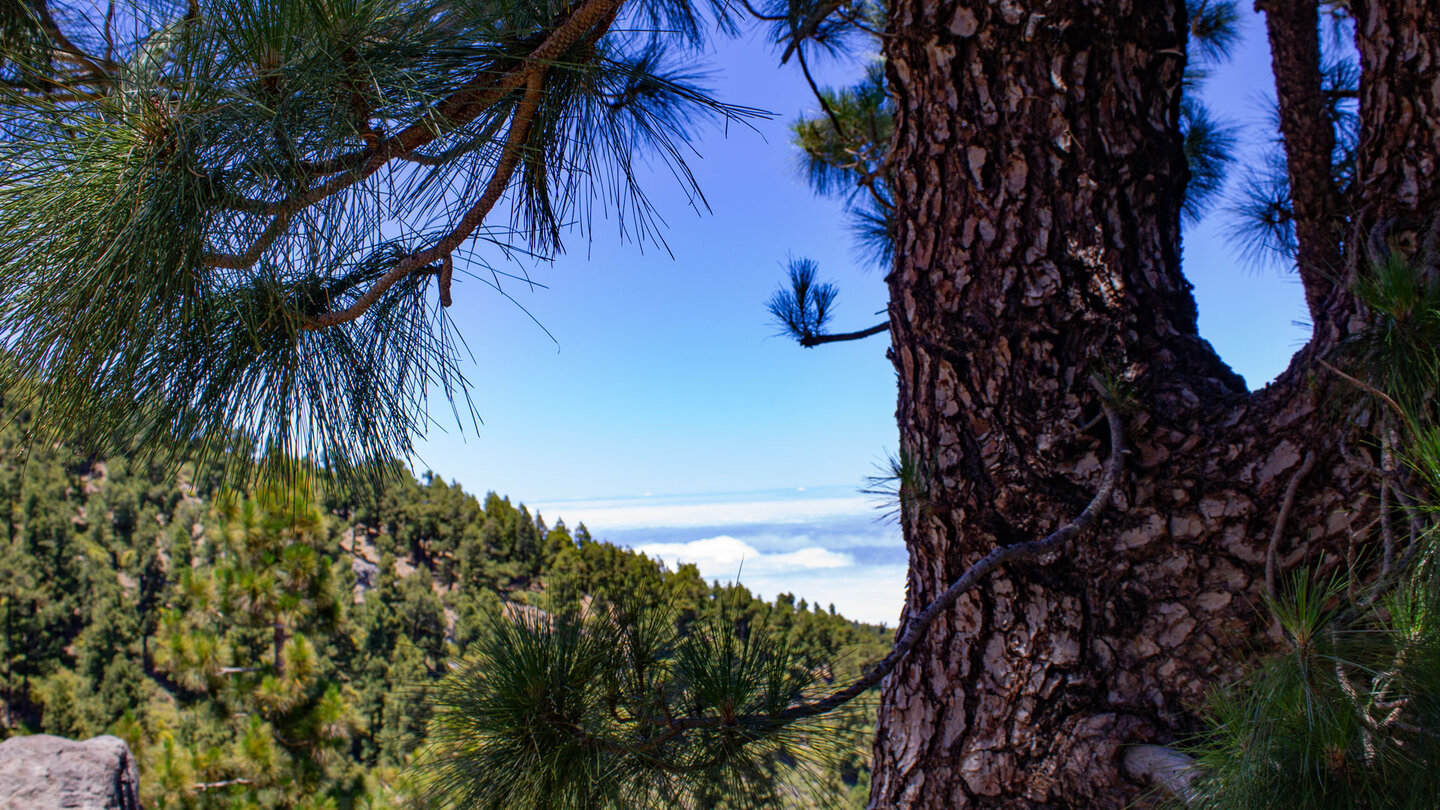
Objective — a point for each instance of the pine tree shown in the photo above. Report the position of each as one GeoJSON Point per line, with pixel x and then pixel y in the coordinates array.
{"type": "Point", "coordinates": [215, 174]}
{"type": "Point", "coordinates": [278, 196]}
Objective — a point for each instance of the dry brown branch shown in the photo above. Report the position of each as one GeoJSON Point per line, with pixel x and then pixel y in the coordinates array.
{"type": "Point", "coordinates": [1366, 387]}
{"type": "Point", "coordinates": [224, 783]}
{"type": "Point", "coordinates": [1281, 519]}
{"type": "Point", "coordinates": [441, 250]}
{"type": "Point", "coordinates": [916, 628]}
{"type": "Point", "coordinates": [480, 93]}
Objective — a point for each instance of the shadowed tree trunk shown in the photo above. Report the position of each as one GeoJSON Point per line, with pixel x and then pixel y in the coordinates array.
{"type": "Point", "coordinates": [1294, 37]}
{"type": "Point", "coordinates": [1039, 180]}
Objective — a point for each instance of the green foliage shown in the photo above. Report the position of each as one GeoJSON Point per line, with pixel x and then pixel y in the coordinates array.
{"type": "Point", "coordinates": [804, 309]}
{"type": "Point", "coordinates": [1349, 711]}
{"type": "Point", "coordinates": [1262, 226]}
{"type": "Point", "coordinates": [619, 707]}
{"type": "Point", "coordinates": [1400, 352]}
{"type": "Point", "coordinates": [182, 207]}
{"type": "Point", "coordinates": [263, 649]}
{"type": "Point", "coordinates": [1209, 146]}
{"type": "Point", "coordinates": [1344, 715]}
{"type": "Point", "coordinates": [1214, 29]}
{"type": "Point", "coordinates": [842, 154]}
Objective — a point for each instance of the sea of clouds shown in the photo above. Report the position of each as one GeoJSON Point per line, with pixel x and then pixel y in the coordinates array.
{"type": "Point", "coordinates": [826, 546]}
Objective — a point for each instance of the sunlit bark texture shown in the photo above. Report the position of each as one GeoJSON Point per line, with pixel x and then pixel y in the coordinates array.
{"type": "Point", "coordinates": [1039, 178]}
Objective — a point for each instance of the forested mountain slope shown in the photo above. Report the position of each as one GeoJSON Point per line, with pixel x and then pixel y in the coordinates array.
{"type": "Point", "coordinates": [271, 648]}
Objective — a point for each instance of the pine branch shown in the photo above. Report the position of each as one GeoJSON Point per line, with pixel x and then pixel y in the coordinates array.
{"type": "Point", "coordinates": [915, 630]}
{"type": "Point", "coordinates": [476, 96]}
{"type": "Point", "coordinates": [481, 92]}
{"type": "Point", "coordinates": [520, 126]}
{"type": "Point", "coordinates": [810, 341]}
{"type": "Point", "coordinates": [819, 95]}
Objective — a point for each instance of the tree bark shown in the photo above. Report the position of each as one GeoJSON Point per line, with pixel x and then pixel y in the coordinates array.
{"type": "Point", "coordinates": [1309, 136]}
{"type": "Point", "coordinates": [1398, 164]}
{"type": "Point", "coordinates": [1039, 178]}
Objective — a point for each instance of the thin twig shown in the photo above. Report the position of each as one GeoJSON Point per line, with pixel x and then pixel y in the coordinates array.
{"type": "Point", "coordinates": [1412, 515]}
{"type": "Point", "coordinates": [810, 341]}
{"type": "Point", "coordinates": [1020, 552]}
{"type": "Point", "coordinates": [1387, 530]}
{"type": "Point", "coordinates": [819, 95]}
{"type": "Point", "coordinates": [1366, 387]}
{"type": "Point", "coordinates": [109, 32]}
{"type": "Point", "coordinates": [915, 630]}
{"type": "Point", "coordinates": [1285, 506]}
{"type": "Point", "coordinates": [1388, 440]}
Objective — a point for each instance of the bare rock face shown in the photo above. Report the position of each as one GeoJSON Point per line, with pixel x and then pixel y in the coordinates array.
{"type": "Point", "coordinates": [41, 772]}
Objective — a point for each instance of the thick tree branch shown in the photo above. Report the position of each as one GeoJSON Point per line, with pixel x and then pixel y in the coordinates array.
{"type": "Point", "coordinates": [1309, 136]}
{"type": "Point", "coordinates": [810, 341]}
{"type": "Point", "coordinates": [588, 22]}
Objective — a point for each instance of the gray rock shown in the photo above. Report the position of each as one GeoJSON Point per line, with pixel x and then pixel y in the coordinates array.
{"type": "Point", "coordinates": [41, 772]}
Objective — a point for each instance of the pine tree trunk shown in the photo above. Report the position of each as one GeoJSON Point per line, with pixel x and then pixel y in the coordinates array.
{"type": "Point", "coordinates": [1039, 175]}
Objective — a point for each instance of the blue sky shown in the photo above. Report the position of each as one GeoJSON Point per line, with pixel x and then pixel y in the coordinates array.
{"type": "Point", "coordinates": [664, 388]}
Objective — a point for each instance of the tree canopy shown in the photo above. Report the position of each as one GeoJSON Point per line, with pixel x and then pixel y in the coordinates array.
{"type": "Point", "coordinates": [241, 222]}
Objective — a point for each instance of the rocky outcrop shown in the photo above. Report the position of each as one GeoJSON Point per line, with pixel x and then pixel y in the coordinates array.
{"type": "Point", "coordinates": [41, 772]}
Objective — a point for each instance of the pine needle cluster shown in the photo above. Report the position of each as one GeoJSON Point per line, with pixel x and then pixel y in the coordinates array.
{"type": "Point", "coordinates": [1348, 714]}
{"type": "Point", "coordinates": [622, 706]}
{"type": "Point", "coordinates": [240, 221]}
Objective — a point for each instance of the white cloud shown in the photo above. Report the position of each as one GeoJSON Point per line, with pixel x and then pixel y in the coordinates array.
{"type": "Point", "coordinates": [725, 557]}
{"type": "Point", "coordinates": [871, 593]}
{"type": "Point", "coordinates": [804, 536]}
{"type": "Point", "coordinates": [617, 515]}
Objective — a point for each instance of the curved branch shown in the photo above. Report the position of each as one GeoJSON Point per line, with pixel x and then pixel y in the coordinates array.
{"type": "Point", "coordinates": [1280, 520]}
{"type": "Point", "coordinates": [480, 93]}
{"type": "Point", "coordinates": [811, 341]}
{"type": "Point", "coordinates": [916, 628]}
{"type": "Point", "coordinates": [441, 250]}
{"type": "Point", "coordinates": [819, 96]}
{"type": "Point", "coordinates": [1366, 387]}
{"type": "Point", "coordinates": [1019, 552]}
